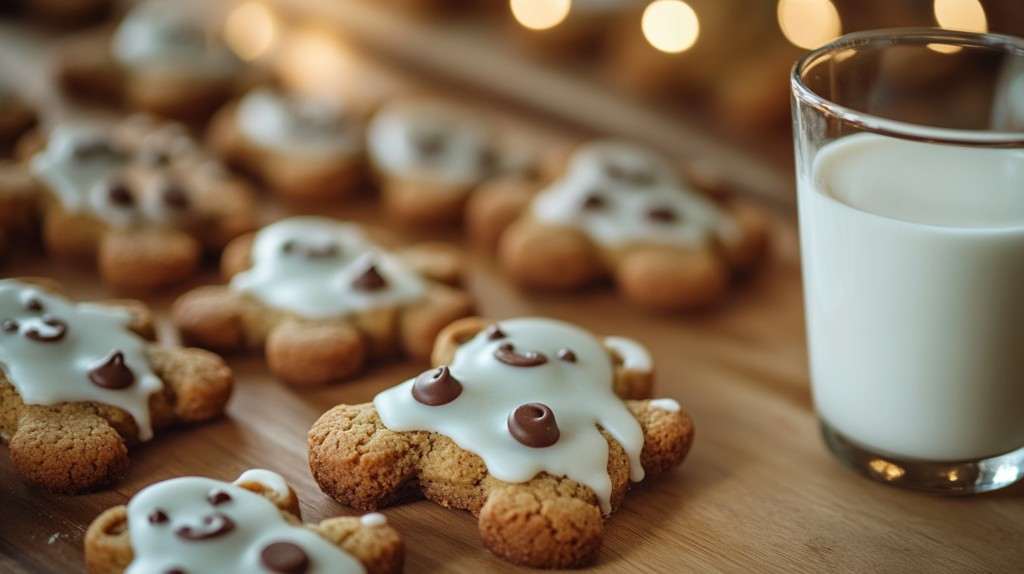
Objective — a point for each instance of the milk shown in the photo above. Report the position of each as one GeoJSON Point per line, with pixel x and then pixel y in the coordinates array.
{"type": "Point", "coordinates": [913, 262]}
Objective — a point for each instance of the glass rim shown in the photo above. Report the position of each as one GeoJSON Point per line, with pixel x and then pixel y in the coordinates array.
{"type": "Point", "coordinates": [897, 128]}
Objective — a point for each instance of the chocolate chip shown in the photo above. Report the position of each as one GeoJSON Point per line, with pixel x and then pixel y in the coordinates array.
{"type": "Point", "coordinates": [494, 333]}
{"type": "Point", "coordinates": [119, 194]}
{"type": "Point", "coordinates": [34, 305]}
{"type": "Point", "coordinates": [662, 215]}
{"type": "Point", "coordinates": [113, 373]}
{"type": "Point", "coordinates": [288, 246]}
{"type": "Point", "coordinates": [370, 280]}
{"type": "Point", "coordinates": [175, 196]}
{"type": "Point", "coordinates": [218, 497]}
{"type": "Point", "coordinates": [436, 387]}
{"type": "Point", "coordinates": [488, 160]}
{"type": "Point", "coordinates": [285, 558]}
{"type": "Point", "coordinates": [567, 355]}
{"type": "Point", "coordinates": [9, 326]}
{"type": "Point", "coordinates": [507, 354]}
{"type": "Point", "coordinates": [533, 424]}
{"type": "Point", "coordinates": [213, 526]}
{"type": "Point", "coordinates": [56, 331]}
{"type": "Point", "coordinates": [594, 202]}
{"type": "Point", "coordinates": [176, 571]}
{"type": "Point", "coordinates": [157, 517]}
{"type": "Point", "coordinates": [429, 144]}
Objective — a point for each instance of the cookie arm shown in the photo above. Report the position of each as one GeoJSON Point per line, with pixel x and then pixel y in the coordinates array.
{"type": "Point", "coordinates": [199, 382]}
{"type": "Point", "coordinates": [493, 208]}
{"type": "Point", "coordinates": [379, 548]}
{"type": "Point", "coordinates": [307, 353]}
{"type": "Point", "coordinates": [144, 259]}
{"type": "Point", "coordinates": [437, 261]}
{"type": "Point", "coordinates": [421, 323]}
{"type": "Point", "coordinates": [668, 436]}
{"type": "Point", "coordinates": [210, 317]}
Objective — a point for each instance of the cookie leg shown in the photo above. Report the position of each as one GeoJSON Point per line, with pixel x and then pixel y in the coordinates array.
{"type": "Point", "coordinates": [378, 547]}
{"type": "Point", "coordinates": [199, 381]}
{"type": "Point", "coordinates": [306, 354]}
{"type": "Point", "coordinates": [540, 529]}
{"type": "Point", "coordinates": [672, 279]}
{"type": "Point", "coordinates": [108, 549]}
{"type": "Point", "coordinates": [548, 257]}
{"type": "Point", "coordinates": [210, 317]}
{"type": "Point", "coordinates": [67, 452]}
{"type": "Point", "coordinates": [146, 260]}
{"type": "Point", "coordinates": [420, 324]}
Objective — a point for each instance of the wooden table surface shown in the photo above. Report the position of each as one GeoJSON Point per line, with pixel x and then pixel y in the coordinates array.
{"type": "Point", "coordinates": [759, 492]}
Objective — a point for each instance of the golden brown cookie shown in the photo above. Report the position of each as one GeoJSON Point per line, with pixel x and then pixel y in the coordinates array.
{"type": "Point", "coordinates": [620, 211]}
{"type": "Point", "coordinates": [195, 524]}
{"type": "Point", "coordinates": [322, 301]}
{"type": "Point", "coordinates": [82, 382]}
{"type": "Point", "coordinates": [521, 422]}
{"type": "Point", "coordinates": [161, 59]}
{"type": "Point", "coordinates": [303, 149]}
{"type": "Point", "coordinates": [138, 199]}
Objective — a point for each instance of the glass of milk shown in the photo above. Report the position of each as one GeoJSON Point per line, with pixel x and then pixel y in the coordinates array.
{"type": "Point", "coordinates": [910, 170]}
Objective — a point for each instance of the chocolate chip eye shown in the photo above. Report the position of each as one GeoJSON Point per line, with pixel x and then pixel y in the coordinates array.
{"type": "Point", "coordinates": [436, 387]}
{"type": "Point", "coordinates": [9, 326]}
{"type": "Point", "coordinates": [120, 195]}
{"type": "Point", "coordinates": [176, 571]}
{"type": "Point", "coordinates": [218, 497]}
{"type": "Point", "coordinates": [370, 280]}
{"type": "Point", "coordinates": [158, 516]}
{"type": "Point", "coordinates": [289, 246]}
{"type": "Point", "coordinates": [175, 196]}
{"type": "Point", "coordinates": [35, 305]}
{"type": "Point", "coordinates": [429, 144]}
{"type": "Point", "coordinates": [594, 202]}
{"type": "Point", "coordinates": [533, 425]}
{"type": "Point", "coordinates": [662, 215]}
{"type": "Point", "coordinates": [284, 558]}
{"type": "Point", "coordinates": [494, 333]}
{"type": "Point", "coordinates": [567, 355]}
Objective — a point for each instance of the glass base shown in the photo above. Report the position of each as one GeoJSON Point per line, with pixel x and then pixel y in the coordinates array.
{"type": "Point", "coordinates": [962, 477]}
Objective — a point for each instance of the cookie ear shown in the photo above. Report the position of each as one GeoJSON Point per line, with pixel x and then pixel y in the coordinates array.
{"type": "Point", "coordinates": [108, 547]}
{"type": "Point", "coordinates": [420, 324]}
{"type": "Point", "coordinates": [305, 353]}
{"type": "Point", "coordinates": [146, 259]}
{"type": "Point", "coordinates": [634, 369]}
{"type": "Point", "coordinates": [199, 382]}
{"type": "Point", "coordinates": [271, 486]}
{"type": "Point", "coordinates": [547, 256]}
{"type": "Point", "coordinates": [437, 261]}
{"type": "Point", "coordinates": [494, 207]}
{"type": "Point", "coordinates": [453, 336]}
{"type": "Point", "coordinates": [237, 256]}
{"type": "Point", "coordinates": [356, 459]}
{"type": "Point", "coordinates": [211, 317]}
{"type": "Point", "coordinates": [369, 539]}
{"type": "Point", "coordinates": [668, 433]}
{"type": "Point", "coordinates": [672, 279]}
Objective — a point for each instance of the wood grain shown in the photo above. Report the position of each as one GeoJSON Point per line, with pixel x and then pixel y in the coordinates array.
{"type": "Point", "coordinates": [759, 492]}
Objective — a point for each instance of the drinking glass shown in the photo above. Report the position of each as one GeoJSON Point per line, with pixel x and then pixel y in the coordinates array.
{"type": "Point", "coordinates": [910, 184]}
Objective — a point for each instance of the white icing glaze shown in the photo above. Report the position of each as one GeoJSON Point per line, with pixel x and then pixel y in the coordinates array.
{"type": "Point", "coordinates": [72, 179]}
{"type": "Point", "coordinates": [296, 125]}
{"type": "Point", "coordinates": [267, 478]}
{"type": "Point", "coordinates": [579, 393]}
{"type": "Point", "coordinates": [669, 405]}
{"type": "Point", "coordinates": [257, 523]}
{"type": "Point", "coordinates": [624, 217]}
{"type": "Point", "coordinates": [634, 355]}
{"type": "Point", "coordinates": [48, 373]}
{"type": "Point", "coordinates": [373, 519]}
{"type": "Point", "coordinates": [162, 34]}
{"type": "Point", "coordinates": [393, 134]}
{"type": "Point", "coordinates": [321, 287]}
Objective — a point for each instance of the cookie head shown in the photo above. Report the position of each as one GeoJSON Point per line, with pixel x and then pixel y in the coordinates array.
{"type": "Point", "coordinates": [54, 351]}
{"type": "Point", "coordinates": [297, 125]}
{"type": "Point", "coordinates": [527, 396]}
{"type": "Point", "coordinates": [195, 524]}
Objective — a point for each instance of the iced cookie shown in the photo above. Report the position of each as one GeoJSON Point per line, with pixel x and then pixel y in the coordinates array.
{"type": "Point", "coordinates": [138, 198]}
{"type": "Point", "coordinates": [82, 382]}
{"type": "Point", "coordinates": [321, 300]}
{"type": "Point", "coordinates": [163, 59]}
{"type": "Point", "coordinates": [521, 422]}
{"type": "Point", "coordinates": [428, 157]}
{"type": "Point", "coordinates": [621, 211]}
{"type": "Point", "coordinates": [16, 117]}
{"type": "Point", "coordinates": [302, 148]}
{"type": "Point", "coordinates": [195, 525]}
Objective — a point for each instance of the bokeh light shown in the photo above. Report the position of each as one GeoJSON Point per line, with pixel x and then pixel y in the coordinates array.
{"type": "Point", "coordinates": [250, 30]}
{"type": "Point", "coordinates": [670, 25]}
{"type": "Point", "coordinates": [314, 61]}
{"type": "Point", "coordinates": [809, 24]}
{"type": "Point", "coordinates": [963, 15]}
{"type": "Point", "coordinates": [540, 14]}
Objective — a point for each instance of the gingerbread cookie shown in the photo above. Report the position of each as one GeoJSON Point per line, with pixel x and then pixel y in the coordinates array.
{"type": "Point", "coordinates": [522, 423]}
{"type": "Point", "coordinates": [428, 157]}
{"type": "Point", "coordinates": [139, 198]}
{"type": "Point", "coordinates": [82, 382]}
{"type": "Point", "coordinates": [621, 211]}
{"type": "Point", "coordinates": [302, 148]}
{"type": "Point", "coordinates": [16, 118]}
{"type": "Point", "coordinates": [322, 300]}
{"type": "Point", "coordinates": [193, 525]}
{"type": "Point", "coordinates": [162, 59]}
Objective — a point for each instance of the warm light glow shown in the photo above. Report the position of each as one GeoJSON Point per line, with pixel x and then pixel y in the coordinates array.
{"type": "Point", "coordinates": [886, 470]}
{"type": "Point", "coordinates": [809, 23]}
{"type": "Point", "coordinates": [313, 61]}
{"type": "Point", "coordinates": [963, 15]}
{"type": "Point", "coordinates": [250, 30]}
{"type": "Point", "coordinates": [670, 25]}
{"type": "Point", "coordinates": [540, 14]}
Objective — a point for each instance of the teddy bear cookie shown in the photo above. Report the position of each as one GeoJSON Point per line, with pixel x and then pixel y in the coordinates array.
{"type": "Point", "coordinates": [81, 382]}
{"type": "Point", "coordinates": [322, 300]}
{"type": "Point", "coordinates": [302, 148]}
{"type": "Point", "coordinates": [196, 525]}
{"type": "Point", "coordinates": [524, 423]}
{"type": "Point", "coordinates": [16, 118]}
{"type": "Point", "coordinates": [161, 59]}
{"type": "Point", "coordinates": [621, 211]}
{"type": "Point", "coordinates": [428, 157]}
{"type": "Point", "coordinates": [139, 198]}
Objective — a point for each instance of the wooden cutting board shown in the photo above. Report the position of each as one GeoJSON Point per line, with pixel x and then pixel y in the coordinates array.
{"type": "Point", "coordinates": [758, 493]}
